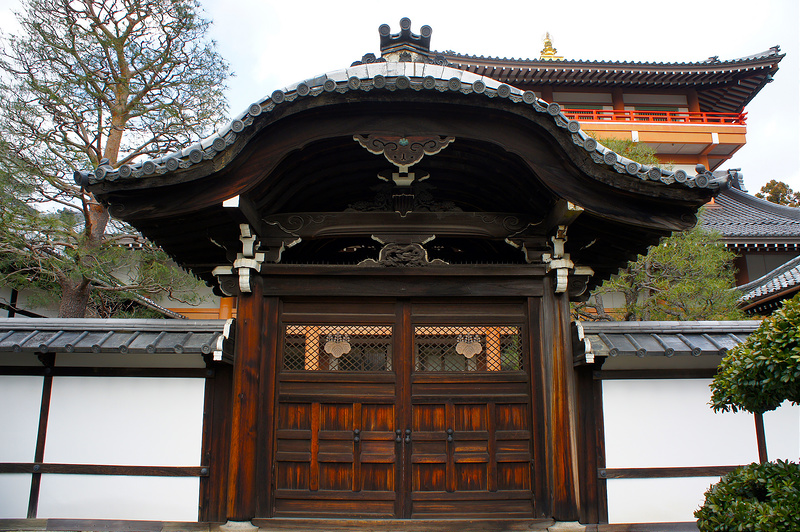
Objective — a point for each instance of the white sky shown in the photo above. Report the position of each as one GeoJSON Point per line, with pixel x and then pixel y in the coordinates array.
{"type": "Point", "coordinates": [271, 44]}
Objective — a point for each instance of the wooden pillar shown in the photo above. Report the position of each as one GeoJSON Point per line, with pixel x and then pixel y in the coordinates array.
{"type": "Point", "coordinates": [693, 101]}
{"type": "Point", "coordinates": [226, 307]}
{"type": "Point", "coordinates": [560, 404]}
{"type": "Point", "coordinates": [591, 445]}
{"type": "Point", "coordinates": [244, 416]}
{"type": "Point", "coordinates": [216, 442]}
{"type": "Point", "coordinates": [617, 100]}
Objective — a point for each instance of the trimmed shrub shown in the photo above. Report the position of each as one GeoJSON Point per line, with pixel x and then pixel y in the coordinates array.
{"type": "Point", "coordinates": [757, 497]}
{"type": "Point", "coordinates": [764, 370]}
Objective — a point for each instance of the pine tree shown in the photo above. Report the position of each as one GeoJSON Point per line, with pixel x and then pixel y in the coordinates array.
{"type": "Point", "coordinates": [89, 82]}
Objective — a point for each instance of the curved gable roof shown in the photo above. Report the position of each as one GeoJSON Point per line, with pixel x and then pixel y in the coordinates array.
{"type": "Point", "coordinates": [296, 149]}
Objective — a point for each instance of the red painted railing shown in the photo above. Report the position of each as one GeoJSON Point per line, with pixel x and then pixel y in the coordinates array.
{"type": "Point", "coordinates": [680, 117]}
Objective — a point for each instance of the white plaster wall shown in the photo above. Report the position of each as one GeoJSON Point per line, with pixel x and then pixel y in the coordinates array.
{"type": "Point", "coordinates": [123, 421]}
{"type": "Point", "coordinates": [15, 490]}
{"type": "Point", "coordinates": [21, 397]}
{"type": "Point", "coordinates": [655, 500]}
{"type": "Point", "coordinates": [782, 429]}
{"type": "Point", "coordinates": [668, 423]}
{"type": "Point", "coordinates": [116, 497]}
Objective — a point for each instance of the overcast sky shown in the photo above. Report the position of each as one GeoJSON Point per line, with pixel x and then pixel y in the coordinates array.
{"type": "Point", "coordinates": [271, 44]}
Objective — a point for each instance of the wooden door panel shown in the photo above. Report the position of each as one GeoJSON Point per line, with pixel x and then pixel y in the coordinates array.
{"type": "Point", "coordinates": [427, 431]}
{"type": "Point", "coordinates": [335, 458]}
{"type": "Point", "coordinates": [474, 456]}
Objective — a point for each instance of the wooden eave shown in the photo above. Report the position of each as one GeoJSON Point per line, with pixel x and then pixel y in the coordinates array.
{"type": "Point", "coordinates": [296, 154]}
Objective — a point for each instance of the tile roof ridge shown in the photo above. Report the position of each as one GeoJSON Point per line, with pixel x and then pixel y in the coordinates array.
{"type": "Point", "coordinates": [768, 277]}
{"type": "Point", "coordinates": [762, 204]}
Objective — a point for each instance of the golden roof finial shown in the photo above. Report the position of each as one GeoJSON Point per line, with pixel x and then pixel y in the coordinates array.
{"type": "Point", "coordinates": [548, 52]}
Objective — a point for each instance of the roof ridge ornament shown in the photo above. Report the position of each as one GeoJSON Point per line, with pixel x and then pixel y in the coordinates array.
{"type": "Point", "coordinates": [405, 45]}
{"type": "Point", "coordinates": [548, 53]}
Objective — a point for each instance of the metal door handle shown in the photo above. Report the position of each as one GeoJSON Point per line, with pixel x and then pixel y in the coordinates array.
{"type": "Point", "coordinates": [408, 435]}
{"type": "Point", "coordinates": [399, 438]}
{"type": "Point", "coordinates": [356, 437]}
{"type": "Point", "coordinates": [449, 434]}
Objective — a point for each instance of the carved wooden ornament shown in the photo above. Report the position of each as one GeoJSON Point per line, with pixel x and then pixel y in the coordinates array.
{"type": "Point", "coordinates": [468, 345]}
{"type": "Point", "coordinates": [337, 345]}
{"type": "Point", "coordinates": [404, 152]}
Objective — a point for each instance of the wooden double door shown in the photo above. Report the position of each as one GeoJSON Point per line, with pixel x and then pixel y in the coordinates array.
{"type": "Point", "coordinates": [403, 409]}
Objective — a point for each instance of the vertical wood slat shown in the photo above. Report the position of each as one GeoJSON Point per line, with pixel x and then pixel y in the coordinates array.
{"type": "Point", "coordinates": [44, 414]}
{"type": "Point", "coordinates": [450, 469]}
{"type": "Point", "coordinates": [246, 400]}
{"type": "Point", "coordinates": [357, 425]}
{"type": "Point", "coordinates": [491, 426]}
{"type": "Point", "coordinates": [272, 342]}
{"type": "Point", "coordinates": [602, 488]}
{"type": "Point", "coordinates": [313, 479]}
{"type": "Point", "coordinates": [404, 362]}
{"type": "Point", "coordinates": [537, 364]}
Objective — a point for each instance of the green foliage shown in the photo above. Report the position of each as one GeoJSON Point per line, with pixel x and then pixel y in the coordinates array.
{"type": "Point", "coordinates": [687, 276]}
{"type": "Point", "coordinates": [764, 370]}
{"type": "Point", "coordinates": [85, 81]}
{"type": "Point", "coordinates": [635, 151]}
{"type": "Point", "coordinates": [780, 193]}
{"type": "Point", "coordinates": [757, 497]}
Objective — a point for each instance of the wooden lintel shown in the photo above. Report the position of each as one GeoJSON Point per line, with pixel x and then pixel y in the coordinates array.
{"type": "Point", "coordinates": [455, 224]}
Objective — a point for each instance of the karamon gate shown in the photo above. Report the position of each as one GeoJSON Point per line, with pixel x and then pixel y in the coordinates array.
{"type": "Point", "coordinates": [404, 240]}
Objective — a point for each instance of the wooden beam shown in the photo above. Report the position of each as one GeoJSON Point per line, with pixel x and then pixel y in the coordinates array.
{"type": "Point", "coordinates": [243, 211]}
{"type": "Point", "coordinates": [44, 414]}
{"type": "Point", "coordinates": [101, 469]}
{"type": "Point", "coordinates": [665, 472]}
{"type": "Point", "coordinates": [388, 225]}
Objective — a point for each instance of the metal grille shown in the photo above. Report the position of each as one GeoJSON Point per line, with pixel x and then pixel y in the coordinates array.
{"type": "Point", "coordinates": [337, 348]}
{"type": "Point", "coordinates": [490, 348]}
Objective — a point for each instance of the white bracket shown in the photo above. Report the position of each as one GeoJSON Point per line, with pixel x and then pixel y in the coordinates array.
{"type": "Point", "coordinates": [559, 261]}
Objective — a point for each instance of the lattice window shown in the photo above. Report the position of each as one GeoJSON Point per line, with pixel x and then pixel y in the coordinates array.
{"type": "Point", "coordinates": [337, 348]}
{"type": "Point", "coordinates": [489, 348]}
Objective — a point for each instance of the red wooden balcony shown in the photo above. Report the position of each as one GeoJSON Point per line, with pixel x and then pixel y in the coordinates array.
{"type": "Point", "coordinates": [685, 117]}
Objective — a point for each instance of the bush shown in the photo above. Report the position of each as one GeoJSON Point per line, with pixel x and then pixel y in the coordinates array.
{"type": "Point", "coordinates": [757, 497]}
{"type": "Point", "coordinates": [764, 370]}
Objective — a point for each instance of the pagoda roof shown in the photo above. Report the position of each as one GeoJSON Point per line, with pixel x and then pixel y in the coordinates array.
{"type": "Point", "coordinates": [747, 220]}
{"type": "Point", "coordinates": [723, 86]}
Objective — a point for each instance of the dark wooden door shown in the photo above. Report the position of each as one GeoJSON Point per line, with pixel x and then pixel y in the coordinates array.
{"type": "Point", "coordinates": [406, 410]}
